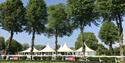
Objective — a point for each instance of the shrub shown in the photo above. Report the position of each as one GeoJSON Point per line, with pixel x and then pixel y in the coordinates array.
{"type": "Point", "coordinates": [37, 58]}
{"type": "Point", "coordinates": [60, 58]}
{"type": "Point", "coordinates": [47, 58]}
{"type": "Point", "coordinates": [93, 59]}
{"type": "Point", "coordinates": [23, 58]}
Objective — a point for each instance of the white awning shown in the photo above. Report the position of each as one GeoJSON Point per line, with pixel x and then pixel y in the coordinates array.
{"type": "Point", "coordinates": [29, 50]}
{"type": "Point", "coordinates": [47, 49]}
{"type": "Point", "coordinates": [65, 48]}
{"type": "Point", "coordinates": [86, 49]}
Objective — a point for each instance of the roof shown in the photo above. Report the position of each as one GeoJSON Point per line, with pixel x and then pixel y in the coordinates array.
{"type": "Point", "coordinates": [29, 50]}
{"type": "Point", "coordinates": [65, 48]}
{"type": "Point", "coordinates": [47, 49]}
{"type": "Point", "coordinates": [86, 48]}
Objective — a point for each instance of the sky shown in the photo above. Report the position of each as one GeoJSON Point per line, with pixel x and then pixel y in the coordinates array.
{"type": "Point", "coordinates": [43, 40]}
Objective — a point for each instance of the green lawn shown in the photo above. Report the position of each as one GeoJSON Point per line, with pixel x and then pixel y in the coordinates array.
{"type": "Point", "coordinates": [31, 62]}
{"type": "Point", "coordinates": [40, 62]}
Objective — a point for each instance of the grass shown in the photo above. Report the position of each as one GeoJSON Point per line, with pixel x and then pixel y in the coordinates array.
{"type": "Point", "coordinates": [41, 62]}
{"type": "Point", "coordinates": [31, 62]}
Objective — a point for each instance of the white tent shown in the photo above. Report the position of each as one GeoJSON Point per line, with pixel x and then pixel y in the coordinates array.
{"type": "Point", "coordinates": [88, 51]}
{"type": "Point", "coordinates": [29, 50]}
{"type": "Point", "coordinates": [47, 49]}
{"type": "Point", "coordinates": [65, 48]}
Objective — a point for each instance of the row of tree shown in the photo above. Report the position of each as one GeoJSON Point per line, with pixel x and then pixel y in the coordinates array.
{"type": "Point", "coordinates": [60, 20]}
{"type": "Point", "coordinates": [16, 46]}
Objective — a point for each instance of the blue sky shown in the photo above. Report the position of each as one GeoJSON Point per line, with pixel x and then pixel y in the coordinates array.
{"type": "Point", "coordinates": [41, 39]}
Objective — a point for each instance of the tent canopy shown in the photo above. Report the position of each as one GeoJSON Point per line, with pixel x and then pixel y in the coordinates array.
{"type": "Point", "coordinates": [86, 49]}
{"type": "Point", "coordinates": [47, 49]}
{"type": "Point", "coordinates": [29, 50]}
{"type": "Point", "coordinates": [65, 48]}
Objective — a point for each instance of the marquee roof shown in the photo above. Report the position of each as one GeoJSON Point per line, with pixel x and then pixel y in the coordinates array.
{"type": "Point", "coordinates": [65, 48]}
{"type": "Point", "coordinates": [29, 50]}
{"type": "Point", "coordinates": [47, 49]}
{"type": "Point", "coordinates": [86, 49]}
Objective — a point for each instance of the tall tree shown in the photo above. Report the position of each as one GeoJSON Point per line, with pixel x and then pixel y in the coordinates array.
{"type": "Point", "coordinates": [109, 34]}
{"type": "Point", "coordinates": [90, 40]}
{"type": "Point", "coordinates": [15, 48]}
{"type": "Point", "coordinates": [113, 10]}
{"type": "Point", "coordinates": [58, 25]}
{"type": "Point", "coordinates": [81, 14]}
{"type": "Point", "coordinates": [2, 43]}
{"type": "Point", "coordinates": [12, 15]}
{"type": "Point", "coordinates": [36, 16]}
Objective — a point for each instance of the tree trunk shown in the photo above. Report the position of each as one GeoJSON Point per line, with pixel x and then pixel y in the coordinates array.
{"type": "Point", "coordinates": [111, 49]}
{"type": "Point", "coordinates": [32, 44]}
{"type": "Point", "coordinates": [120, 33]}
{"type": "Point", "coordinates": [9, 44]}
{"type": "Point", "coordinates": [56, 41]}
{"type": "Point", "coordinates": [82, 36]}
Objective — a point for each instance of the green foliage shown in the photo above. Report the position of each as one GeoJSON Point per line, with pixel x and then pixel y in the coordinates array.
{"type": "Point", "coordinates": [25, 46]}
{"type": "Point", "coordinates": [58, 23]}
{"type": "Point", "coordinates": [37, 58]}
{"type": "Point", "coordinates": [108, 32]}
{"type": "Point", "coordinates": [39, 47]}
{"type": "Point", "coordinates": [101, 50]}
{"type": "Point", "coordinates": [109, 9]}
{"type": "Point", "coordinates": [14, 47]}
{"type": "Point", "coordinates": [12, 15]}
{"type": "Point", "coordinates": [2, 43]}
{"type": "Point", "coordinates": [12, 18]}
{"type": "Point", "coordinates": [36, 16]}
{"type": "Point", "coordinates": [113, 10]}
{"type": "Point", "coordinates": [46, 58]}
{"type": "Point", "coordinates": [81, 12]}
{"type": "Point", "coordinates": [89, 38]}
{"type": "Point", "coordinates": [117, 50]}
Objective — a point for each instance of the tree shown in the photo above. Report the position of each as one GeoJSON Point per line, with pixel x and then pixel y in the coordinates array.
{"type": "Point", "coordinates": [36, 17]}
{"type": "Point", "coordinates": [12, 16]}
{"type": "Point", "coordinates": [2, 43]}
{"type": "Point", "coordinates": [101, 50]}
{"type": "Point", "coordinates": [113, 10]}
{"type": "Point", "coordinates": [109, 34]}
{"type": "Point", "coordinates": [117, 50]}
{"type": "Point", "coordinates": [90, 40]}
{"type": "Point", "coordinates": [39, 47]}
{"type": "Point", "coordinates": [81, 14]}
{"type": "Point", "coordinates": [25, 46]}
{"type": "Point", "coordinates": [58, 24]}
{"type": "Point", "coordinates": [16, 47]}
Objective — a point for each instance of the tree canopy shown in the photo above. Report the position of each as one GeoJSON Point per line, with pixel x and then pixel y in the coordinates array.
{"type": "Point", "coordinates": [36, 16]}
{"type": "Point", "coordinates": [12, 12]}
{"type": "Point", "coordinates": [15, 47]}
{"type": "Point", "coordinates": [25, 46]}
{"type": "Point", "coordinates": [81, 12]}
{"type": "Point", "coordinates": [2, 43]}
{"type": "Point", "coordinates": [58, 21]}
{"type": "Point", "coordinates": [109, 34]}
{"type": "Point", "coordinates": [90, 40]}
